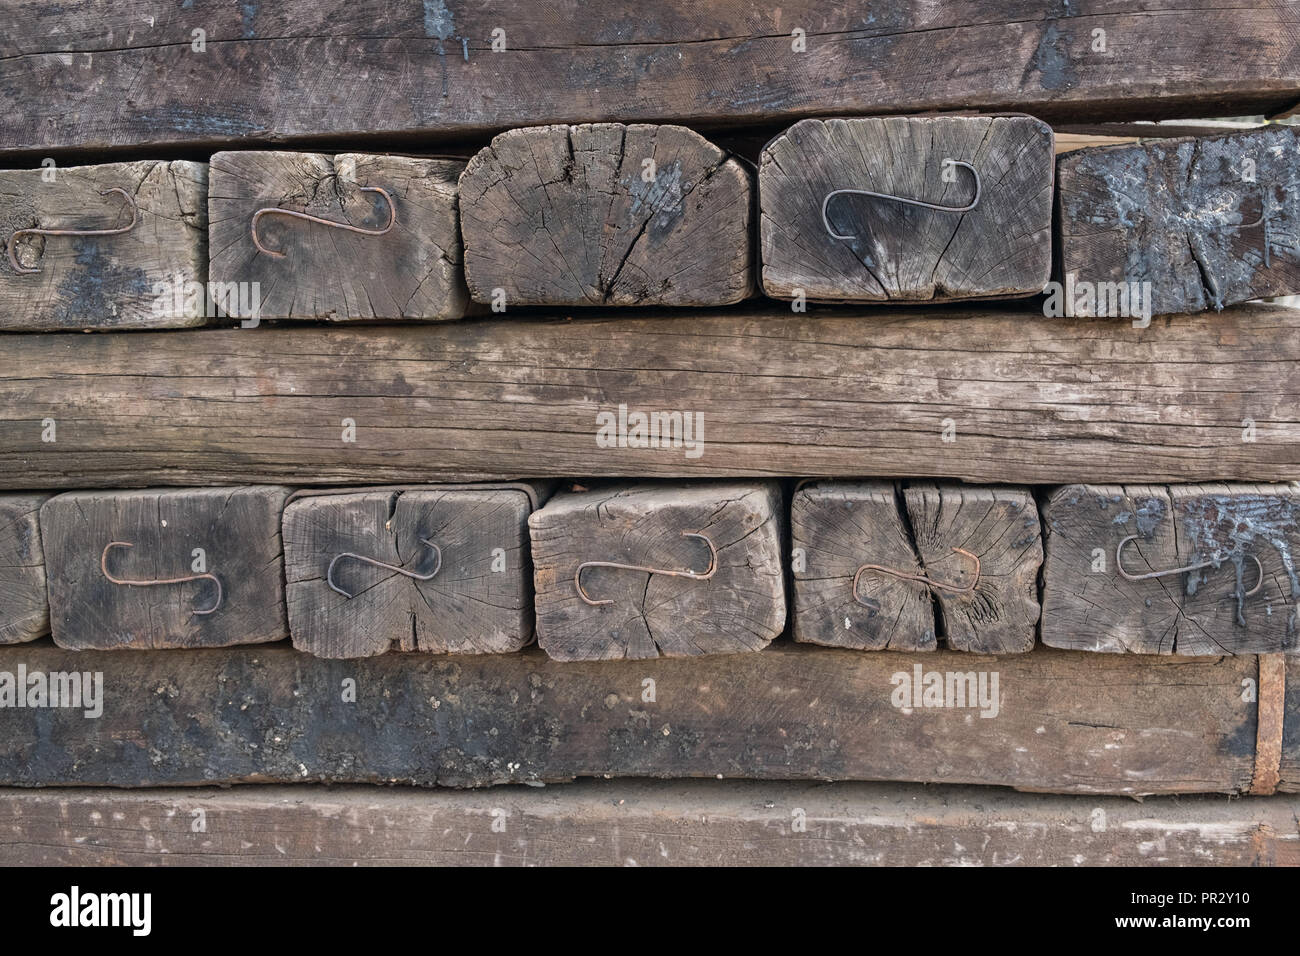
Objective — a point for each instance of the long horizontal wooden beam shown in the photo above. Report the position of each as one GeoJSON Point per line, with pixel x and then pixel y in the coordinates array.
{"type": "Point", "coordinates": [1049, 720]}
{"type": "Point", "coordinates": [94, 74]}
{"type": "Point", "coordinates": [640, 823]}
{"type": "Point", "coordinates": [997, 395]}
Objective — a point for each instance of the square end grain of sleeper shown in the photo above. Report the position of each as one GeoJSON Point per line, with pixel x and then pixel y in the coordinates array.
{"type": "Point", "coordinates": [1207, 221]}
{"type": "Point", "coordinates": [314, 271]}
{"type": "Point", "coordinates": [734, 530]}
{"type": "Point", "coordinates": [1172, 569]}
{"type": "Point", "coordinates": [158, 219]}
{"type": "Point", "coordinates": [224, 541]}
{"type": "Point", "coordinates": [474, 543]}
{"type": "Point", "coordinates": [886, 250]}
{"type": "Point", "coordinates": [24, 608]}
{"type": "Point", "coordinates": [606, 214]}
{"type": "Point", "coordinates": [839, 527]}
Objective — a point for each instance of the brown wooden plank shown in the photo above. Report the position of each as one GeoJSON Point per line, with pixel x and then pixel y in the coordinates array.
{"type": "Point", "coordinates": [147, 276]}
{"type": "Point", "coordinates": [304, 68]}
{"type": "Point", "coordinates": [720, 541]}
{"type": "Point", "coordinates": [312, 271]}
{"type": "Point", "coordinates": [837, 393]}
{"type": "Point", "coordinates": [825, 244]}
{"type": "Point", "coordinates": [1056, 720]}
{"type": "Point", "coordinates": [640, 823]}
{"type": "Point", "coordinates": [24, 608]}
{"type": "Point", "coordinates": [606, 214]}
{"type": "Point", "coordinates": [224, 543]}
{"type": "Point", "coordinates": [1243, 536]}
{"type": "Point", "coordinates": [1289, 766]}
{"type": "Point", "coordinates": [1190, 223]}
{"type": "Point", "coordinates": [854, 542]}
{"type": "Point", "coordinates": [478, 600]}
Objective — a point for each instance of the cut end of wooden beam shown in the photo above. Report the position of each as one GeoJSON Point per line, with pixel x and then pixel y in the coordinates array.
{"type": "Point", "coordinates": [606, 214]}
{"type": "Point", "coordinates": [907, 208]}
{"type": "Point", "coordinates": [644, 571]}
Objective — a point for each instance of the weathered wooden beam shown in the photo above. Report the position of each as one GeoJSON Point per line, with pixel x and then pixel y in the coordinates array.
{"type": "Point", "coordinates": [165, 568]}
{"type": "Point", "coordinates": [641, 823]}
{"type": "Point", "coordinates": [717, 584]}
{"type": "Point", "coordinates": [301, 270]}
{"type": "Point", "coordinates": [24, 609]}
{"type": "Point", "coordinates": [1181, 225]}
{"type": "Point", "coordinates": [1186, 569]}
{"type": "Point", "coordinates": [823, 239]}
{"type": "Point", "coordinates": [305, 68]}
{"type": "Point", "coordinates": [999, 396]}
{"type": "Point", "coordinates": [1047, 720]}
{"type": "Point", "coordinates": [877, 566]}
{"type": "Point", "coordinates": [465, 584]}
{"type": "Point", "coordinates": [138, 262]}
{"type": "Point", "coordinates": [606, 214]}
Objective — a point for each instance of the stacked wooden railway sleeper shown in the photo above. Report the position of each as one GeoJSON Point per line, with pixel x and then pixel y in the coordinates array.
{"type": "Point", "coordinates": [467, 431]}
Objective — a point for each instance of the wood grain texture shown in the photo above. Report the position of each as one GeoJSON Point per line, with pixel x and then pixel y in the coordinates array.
{"type": "Point", "coordinates": [837, 393]}
{"type": "Point", "coordinates": [1207, 221]}
{"type": "Point", "coordinates": [1089, 605]}
{"type": "Point", "coordinates": [641, 823]}
{"type": "Point", "coordinates": [915, 530]}
{"type": "Point", "coordinates": [1066, 721]}
{"type": "Point", "coordinates": [739, 607]}
{"type": "Point", "coordinates": [238, 530]}
{"type": "Point", "coordinates": [143, 278]}
{"type": "Point", "coordinates": [606, 214]}
{"type": "Point", "coordinates": [1001, 248]}
{"type": "Point", "coordinates": [411, 272]}
{"type": "Point", "coordinates": [24, 608]}
{"type": "Point", "coordinates": [479, 600]}
{"type": "Point", "coordinates": [307, 68]}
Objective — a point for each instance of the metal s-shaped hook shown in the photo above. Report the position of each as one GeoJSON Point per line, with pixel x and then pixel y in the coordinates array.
{"type": "Point", "coordinates": [13, 239]}
{"type": "Point", "coordinates": [1128, 576]}
{"type": "Point", "coordinates": [346, 227]}
{"type": "Point", "coordinates": [920, 578]}
{"type": "Point", "coordinates": [909, 202]}
{"type": "Point", "coordinates": [329, 574]}
{"type": "Point", "coordinates": [103, 566]}
{"type": "Point", "coordinates": [696, 575]}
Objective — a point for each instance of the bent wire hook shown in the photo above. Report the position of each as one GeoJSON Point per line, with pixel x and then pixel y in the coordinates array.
{"type": "Point", "coordinates": [900, 199]}
{"type": "Point", "coordinates": [696, 575]}
{"type": "Point", "coordinates": [346, 227]}
{"type": "Point", "coordinates": [103, 566]}
{"type": "Point", "coordinates": [329, 574]}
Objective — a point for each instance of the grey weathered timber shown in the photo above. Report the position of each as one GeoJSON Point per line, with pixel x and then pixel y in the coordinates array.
{"type": "Point", "coordinates": [867, 392]}
{"type": "Point", "coordinates": [24, 609]}
{"type": "Point", "coordinates": [1205, 221]}
{"type": "Point", "coordinates": [308, 68]}
{"type": "Point", "coordinates": [718, 586]}
{"type": "Point", "coordinates": [113, 560]}
{"type": "Point", "coordinates": [641, 823]}
{"type": "Point", "coordinates": [314, 271]}
{"type": "Point", "coordinates": [825, 244]}
{"type": "Point", "coordinates": [471, 544]}
{"type": "Point", "coordinates": [606, 214]}
{"type": "Point", "coordinates": [147, 276]}
{"type": "Point", "coordinates": [1065, 721]}
{"type": "Point", "coordinates": [854, 541]}
{"type": "Point", "coordinates": [1240, 538]}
